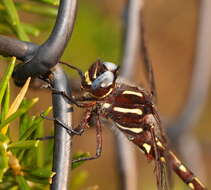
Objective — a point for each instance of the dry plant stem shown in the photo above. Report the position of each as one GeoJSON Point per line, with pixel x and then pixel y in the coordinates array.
{"type": "Point", "coordinates": [131, 37]}
{"type": "Point", "coordinates": [125, 152]}
{"type": "Point", "coordinates": [198, 92]}
{"type": "Point", "coordinates": [62, 141]}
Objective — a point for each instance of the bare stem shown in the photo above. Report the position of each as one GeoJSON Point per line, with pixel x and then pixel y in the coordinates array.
{"type": "Point", "coordinates": [199, 86]}
{"type": "Point", "coordinates": [44, 57]}
{"type": "Point", "coordinates": [62, 140]}
{"type": "Point", "coordinates": [125, 152]}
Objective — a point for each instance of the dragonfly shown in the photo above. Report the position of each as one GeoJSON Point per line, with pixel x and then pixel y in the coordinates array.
{"type": "Point", "coordinates": [133, 113]}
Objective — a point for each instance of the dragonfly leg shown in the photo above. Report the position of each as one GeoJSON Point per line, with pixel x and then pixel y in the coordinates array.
{"type": "Point", "coordinates": [45, 138]}
{"type": "Point", "coordinates": [71, 132]}
{"type": "Point", "coordinates": [98, 142]}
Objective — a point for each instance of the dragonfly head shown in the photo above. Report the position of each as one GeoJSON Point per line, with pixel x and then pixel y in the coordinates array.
{"type": "Point", "coordinates": [99, 79]}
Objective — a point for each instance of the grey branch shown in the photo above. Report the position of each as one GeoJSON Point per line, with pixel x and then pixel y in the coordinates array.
{"type": "Point", "coordinates": [198, 92]}
{"type": "Point", "coordinates": [201, 76]}
{"type": "Point", "coordinates": [62, 110]}
{"type": "Point", "coordinates": [125, 151]}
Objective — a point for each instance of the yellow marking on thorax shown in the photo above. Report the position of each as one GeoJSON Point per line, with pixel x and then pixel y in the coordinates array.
{"type": "Point", "coordinates": [162, 159]}
{"type": "Point", "coordinates": [133, 93]}
{"type": "Point", "coordinates": [106, 105]}
{"type": "Point", "coordinates": [147, 147]}
{"type": "Point", "coordinates": [126, 110]}
{"type": "Point", "coordinates": [191, 185]}
{"type": "Point", "coordinates": [182, 168]}
{"type": "Point", "coordinates": [87, 79]}
{"type": "Point", "coordinates": [199, 182]}
{"type": "Point", "coordinates": [109, 92]}
{"type": "Point", "coordinates": [134, 130]}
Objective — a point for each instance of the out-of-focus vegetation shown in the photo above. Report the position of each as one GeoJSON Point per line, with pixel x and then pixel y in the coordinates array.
{"type": "Point", "coordinates": [25, 163]}
{"type": "Point", "coordinates": [11, 23]}
{"type": "Point", "coordinates": [96, 35]}
{"type": "Point", "coordinates": [21, 160]}
{"type": "Point", "coordinates": [170, 29]}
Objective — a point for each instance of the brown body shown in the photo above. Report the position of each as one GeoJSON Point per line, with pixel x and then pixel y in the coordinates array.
{"type": "Point", "coordinates": [132, 110]}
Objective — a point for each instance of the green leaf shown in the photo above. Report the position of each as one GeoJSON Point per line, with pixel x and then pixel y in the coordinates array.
{"type": "Point", "coordinates": [45, 113]}
{"type": "Point", "coordinates": [51, 2]}
{"type": "Point", "coordinates": [5, 80]}
{"type": "Point", "coordinates": [14, 188]}
{"type": "Point", "coordinates": [22, 183]}
{"type": "Point", "coordinates": [44, 181]}
{"type": "Point", "coordinates": [24, 144]}
{"type": "Point", "coordinates": [3, 161]}
{"type": "Point", "coordinates": [40, 149]}
{"type": "Point", "coordinates": [34, 126]}
{"type": "Point", "coordinates": [24, 124]}
{"type": "Point", "coordinates": [5, 29]}
{"type": "Point", "coordinates": [30, 29]}
{"type": "Point", "coordinates": [6, 102]}
{"type": "Point", "coordinates": [37, 9]}
{"type": "Point", "coordinates": [4, 138]}
{"type": "Point", "coordinates": [79, 155]}
{"type": "Point", "coordinates": [11, 10]}
{"type": "Point", "coordinates": [40, 172]}
{"type": "Point", "coordinates": [18, 113]}
{"type": "Point", "coordinates": [14, 19]}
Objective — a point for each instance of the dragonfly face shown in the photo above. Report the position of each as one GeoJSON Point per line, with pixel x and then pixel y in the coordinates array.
{"type": "Point", "coordinates": [100, 78]}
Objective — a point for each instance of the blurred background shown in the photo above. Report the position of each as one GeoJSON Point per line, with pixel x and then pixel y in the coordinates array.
{"type": "Point", "coordinates": [171, 33]}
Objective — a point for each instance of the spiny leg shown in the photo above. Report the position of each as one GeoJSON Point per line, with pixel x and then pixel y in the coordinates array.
{"type": "Point", "coordinates": [76, 131]}
{"type": "Point", "coordinates": [74, 68]}
{"type": "Point", "coordinates": [159, 166]}
{"type": "Point", "coordinates": [98, 142]}
{"type": "Point", "coordinates": [75, 101]}
{"type": "Point", "coordinates": [78, 101]}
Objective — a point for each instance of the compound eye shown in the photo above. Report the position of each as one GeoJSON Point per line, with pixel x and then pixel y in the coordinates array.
{"type": "Point", "coordinates": [110, 66]}
{"type": "Point", "coordinates": [103, 81]}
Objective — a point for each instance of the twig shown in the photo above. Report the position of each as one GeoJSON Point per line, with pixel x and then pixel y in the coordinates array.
{"type": "Point", "coordinates": [13, 47]}
{"type": "Point", "coordinates": [38, 60]}
{"type": "Point", "coordinates": [62, 147]}
{"type": "Point", "coordinates": [199, 86]}
{"type": "Point", "coordinates": [131, 37]}
{"type": "Point", "coordinates": [125, 152]}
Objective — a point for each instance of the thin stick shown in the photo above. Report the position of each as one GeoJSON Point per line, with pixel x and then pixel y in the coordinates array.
{"type": "Point", "coordinates": [125, 152]}
{"type": "Point", "coordinates": [62, 147]}
{"type": "Point", "coordinates": [198, 92]}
